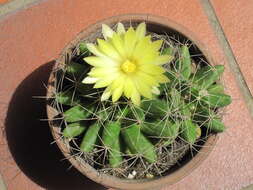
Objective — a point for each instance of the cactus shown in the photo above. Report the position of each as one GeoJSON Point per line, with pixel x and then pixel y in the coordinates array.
{"type": "Point", "coordinates": [183, 111]}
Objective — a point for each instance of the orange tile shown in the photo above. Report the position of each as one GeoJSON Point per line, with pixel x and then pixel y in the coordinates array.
{"type": "Point", "coordinates": [35, 36]}
{"type": "Point", "coordinates": [236, 18]}
{"type": "Point", "coordinates": [3, 1]}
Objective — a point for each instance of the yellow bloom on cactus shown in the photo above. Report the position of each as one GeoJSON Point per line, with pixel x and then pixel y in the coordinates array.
{"type": "Point", "coordinates": [126, 63]}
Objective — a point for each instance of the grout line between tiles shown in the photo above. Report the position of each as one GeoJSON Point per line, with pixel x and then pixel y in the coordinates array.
{"type": "Point", "coordinates": [2, 184]}
{"type": "Point", "coordinates": [11, 7]}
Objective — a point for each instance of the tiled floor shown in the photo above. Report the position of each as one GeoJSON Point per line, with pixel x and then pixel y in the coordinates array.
{"type": "Point", "coordinates": [32, 38]}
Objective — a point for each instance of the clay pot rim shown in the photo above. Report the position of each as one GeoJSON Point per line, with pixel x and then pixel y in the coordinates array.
{"type": "Point", "coordinates": [111, 181]}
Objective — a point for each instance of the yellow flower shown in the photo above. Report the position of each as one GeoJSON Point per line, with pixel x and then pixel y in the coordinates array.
{"type": "Point", "coordinates": [126, 63]}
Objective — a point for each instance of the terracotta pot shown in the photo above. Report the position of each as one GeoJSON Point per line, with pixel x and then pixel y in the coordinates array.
{"type": "Point", "coordinates": [154, 24]}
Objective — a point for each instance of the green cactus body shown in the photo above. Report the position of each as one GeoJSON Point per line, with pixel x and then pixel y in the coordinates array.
{"type": "Point", "coordinates": [217, 100]}
{"type": "Point", "coordinates": [220, 69]}
{"type": "Point", "coordinates": [122, 113]}
{"type": "Point", "coordinates": [183, 65]}
{"type": "Point", "coordinates": [155, 108]}
{"type": "Point", "coordinates": [76, 69]}
{"type": "Point", "coordinates": [211, 97]}
{"type": "Point", "coordinates": [175, 98]}
{"type": "Point", "coordinates": [111, 132]}
{"type": "Point", "coordinates": [168, 51]}
{"type": "Point", "coordinates": [216, 89]}
{"type": "Point", "coordinates": [137, 113]}
{"type": "Point", "coordinates": [187, 110]}
{"type": "Point", "coordinates": [111, 141]}
{"type": "Point", "coordinates": [67, 98]}
{"type": "Point", "coordinates": [210, 120]}
{"type": "Point", "coordinates": [90, 138]}
{"type": "Point", "coordinates": [134, 115]}
{"type": "Point", "coordinates": [77, 113]}
{"type": "Point", "coordinates": [215, 125]}
{"type": "Point", "coordinates": [174, 81]}
{"type": "Point", "coordinates": [189, 131]}
{"type": "Point", "coordinates": [83, 48]}
{"type": "Point", "coordinates": [161, 129]}
{"type": "Point", "coordinates": [172, 76]}
{"type": "Point", "coordinates": [138, 143]}
{"type": "Point", "coordinates": [207, 75]}
{"type": "Point", "coordinates": [74, 129]}
{"type": "Point", "coordinates": [115, 155]}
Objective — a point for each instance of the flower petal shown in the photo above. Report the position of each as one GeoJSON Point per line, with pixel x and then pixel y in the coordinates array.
{"type": "Point", "coordinates": [102, 72]}
{"type": "Point", "coordinates": [128, 87]}
{"type": "Point", "coordinates": [152, 69]}
{"type": "Point", "coordinates": [89, 80]}
{"type": "Point", "coordinates": [93, 49]}
{"type": "Point", "coordinates": [143, 88]}
{"type": "Point", "coordinates": [118, 81]}
{"type": "Point", "coordinates": [103, 83]}
{"type": "Point", "coordinates": [118, 44]}
{"type": "Point", "coordinates": [162, 79]}
{"type": "Point", "coordinates": [120, 28]}
{"type": "Point", "coordinates": [100, 61]}
{"type": "Point", "coordinates": [163, 59]}
{"type": "Point", "coordinates": [148, 79]}
{"type": "Point", "coordinates": [108, 49]}
{"type": "Point", "coordinates": [157, 44]}
{"type": "Point", "coordinates": [135, 97]}
{"type": "Point", "coordinates": [107, 31]}
{"type": "Point", "coordinates": [117, 93]}
{"type": "Point", "coordinates": [144, 52]}
{"type": "Point", "coordinates": [130, 41]}
{"type": "Point", "coordinates": [106, 94]}
{"type": "Point", "coordinates": [141, 46]}
{"type": "Point", "coordinates": [106, 80]}
{"type": "Point", "coordinates": [141, 31]}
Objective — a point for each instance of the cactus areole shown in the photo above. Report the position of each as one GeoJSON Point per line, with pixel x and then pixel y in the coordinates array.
{"type": "Point", "coordinates": [137, 100]}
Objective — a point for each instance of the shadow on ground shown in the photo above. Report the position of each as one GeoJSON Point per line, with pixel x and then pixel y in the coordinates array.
{"type": "Point", "coordinates": [29, 139]}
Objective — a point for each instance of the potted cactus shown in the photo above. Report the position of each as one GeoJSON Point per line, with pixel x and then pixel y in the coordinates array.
{"type": "Point", "coordinates": [133, 101]}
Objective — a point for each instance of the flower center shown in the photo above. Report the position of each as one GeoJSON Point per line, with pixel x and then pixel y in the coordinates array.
{"type": "Point", "coordinates": [128, 66]}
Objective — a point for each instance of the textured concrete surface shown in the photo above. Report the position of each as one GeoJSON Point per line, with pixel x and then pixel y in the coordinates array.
{"type": "Point", "coordinates": [32, 38]}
